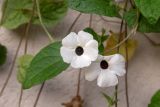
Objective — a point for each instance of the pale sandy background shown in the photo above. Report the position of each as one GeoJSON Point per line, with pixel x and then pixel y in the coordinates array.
{"type": "Point", "coordinates": [143, 76]}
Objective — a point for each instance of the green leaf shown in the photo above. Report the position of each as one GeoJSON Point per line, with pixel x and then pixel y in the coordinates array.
{"type": "Point", "coordinates": [23, 64]}
{"type": "Point", "coordinates": [47, 64]}
{"type": "Point", "coordinates": [99, 38]}
{"type": "Point", "coordinates": [95, 35]}
{"type": "Point", "coordinates": [155, 101]}
{"type": "Point", "coordinates": [100, 7]}
{"type": "Point", "coordinates": [150, 9]}
{"type": "Point", "coordinates": [3, 54]}
{"type": "Point", "coordinates": [144, 26]}
{"type": "Point", "coordinates": [52, 11]}
{"type": "Point", "coordinates": [109, 99]}
{"type": "Point", "coordinates": [18, 12]}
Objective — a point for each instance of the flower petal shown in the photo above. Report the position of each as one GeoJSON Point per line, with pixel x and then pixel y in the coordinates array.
{"type": "Point", "coordinates": [80, 61]}
{"type": "Point", "coordinates": [67, 54]}
{"type": "Point", "coordinates": [84, 37]}
{"type": "Point", "coordinates": [107, 79]}
{"type": "Point", "coordinates": [91, 50]}
{"type": "Point", "coordinates": [107, 58]}
{"type": "Point", "coordinates": [117, 64]}
{"type": "Point", "coordinates": [118, 70]}
{"type": "Point", "coordinates": [70, 40]}
{"type": "Point", "coordinates": [92, 72]}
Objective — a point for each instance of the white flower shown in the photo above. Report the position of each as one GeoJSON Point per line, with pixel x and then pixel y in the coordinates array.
{"type": "Point", "coordinates": [105, 70]}
{"type": "Point", "coordinates": [79, 49]}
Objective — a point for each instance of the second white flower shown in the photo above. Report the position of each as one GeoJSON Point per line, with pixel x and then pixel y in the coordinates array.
{"type": "Point", "coordinates": [106, 69]}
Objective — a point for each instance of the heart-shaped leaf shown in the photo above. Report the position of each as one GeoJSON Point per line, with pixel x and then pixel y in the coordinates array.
{"type": "Point", "coordinates": [47, 64]}
{"type": "Point", "coordinates": [150, 9]}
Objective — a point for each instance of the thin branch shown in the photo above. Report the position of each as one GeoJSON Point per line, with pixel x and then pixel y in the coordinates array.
{"type": "Point", "coordinates": [90, 20]}
{"type": "Point", "coordinates": [126, 76]}
{"type": "Point", "coordinates": [41, 21]}
{"type": "Point", "coordinates": [151, 41]}
{"type": "Point", "coordinates": [20, 97]}
{"type": "Point", "coordinates": [118, 46]}
{"type": "Point", "coordinates": [79, 82]}
{"type": "Point", "coordinates": [70, 29]}
{"type": "Point", "coordinates": [116, 88]}
{"type": "Point", "coordinates": [120, 35]}
{"type": "Point", "coordinates": [79, 75]}
{"type": "Point", "coordinates": [26, 44]}
{"type": "Point", "coordinates": [38, 95]}
{"type": "Point", "coordinates": [116, 96]}
{"type": "Point", "coordinates": [12, 66]}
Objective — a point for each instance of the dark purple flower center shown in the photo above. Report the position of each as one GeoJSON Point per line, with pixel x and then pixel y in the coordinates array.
{"type": "Point", "coordinates": [104, 64]}
{"type": "Point", "coordinates": [79, 50]}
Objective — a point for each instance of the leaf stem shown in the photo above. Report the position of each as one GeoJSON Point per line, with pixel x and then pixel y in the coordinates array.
{"type": "Point", "coordinates": [41, 21]}
{"type": "Point", "coordinates": [79, 82]}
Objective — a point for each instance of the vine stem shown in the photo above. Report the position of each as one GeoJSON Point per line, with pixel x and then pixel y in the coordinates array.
{"type": "Point", "coordinates": [116, 87]}
{"type": "Point", "coordinates": [90, 20]}
{"type": "Point", "coordinates": [27, 28]}
{"type": "Point", "coordinates": [118, 46]}
{"type": "Point", "coordinates": [74, 22]}
{"type": "Point", "coordinates": [126, 76]}
{"type": "Point", "coordinates": [12, 66]}
{"type": "Point", "coordinates": [41, 21]}
{"type": "Point", "coordinates": [79, 82]}
{"type": "Point", "coordinates": [80, 71]}
{"type": "Point", "coordinates": [38, 95]}
{"type": "Point", "coordinates": [79, 75]}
